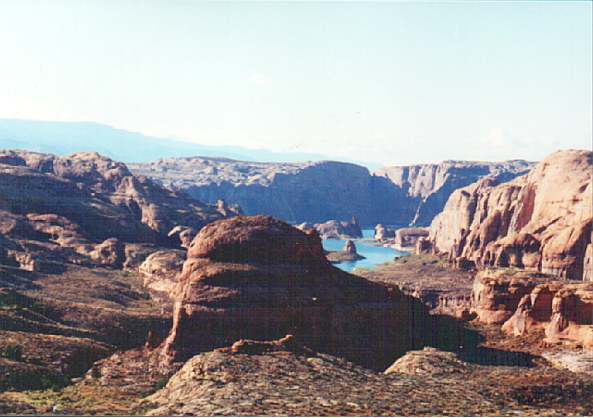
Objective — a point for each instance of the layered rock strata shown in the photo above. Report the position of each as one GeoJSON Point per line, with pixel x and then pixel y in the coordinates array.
{"type": "Point", "coordinates": [539, 222]}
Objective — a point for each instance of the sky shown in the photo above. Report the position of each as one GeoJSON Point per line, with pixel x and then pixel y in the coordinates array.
{"type": "Point", "coordinates": [391, 83]}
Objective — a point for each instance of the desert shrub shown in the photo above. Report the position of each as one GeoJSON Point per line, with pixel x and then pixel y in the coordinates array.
{"type": "Point", "coordinates": [12, 352]}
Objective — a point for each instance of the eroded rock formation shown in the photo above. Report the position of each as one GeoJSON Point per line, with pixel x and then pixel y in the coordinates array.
{"type": "Point", "coordinates": [84, 208]}
{"type": "Point", "coordinates": [259, 278]}
{"type": "Point", "coordinates": [406, 238]}
{"type": "Point", "coordinates": [522, 304]}
{"type": "Point", "coordinates": [540, 221]}
{"type": "Point", "coordinates": [383, 233]}
{"type": "Point", "coordinates": [348, 253]}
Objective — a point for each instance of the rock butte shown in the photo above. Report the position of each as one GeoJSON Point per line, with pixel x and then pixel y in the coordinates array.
{"type": "Point", "coordinates": [259, 278]}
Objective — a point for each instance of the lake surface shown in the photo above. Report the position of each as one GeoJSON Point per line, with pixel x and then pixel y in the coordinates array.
{"type": "Point", "coordinates": [374, 254]}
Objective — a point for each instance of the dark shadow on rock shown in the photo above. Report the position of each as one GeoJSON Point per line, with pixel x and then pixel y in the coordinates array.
{"type": "Point", "coordinates": [492, 357]}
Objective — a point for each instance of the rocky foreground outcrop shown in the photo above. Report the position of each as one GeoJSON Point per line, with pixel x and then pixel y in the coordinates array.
{"type": "Point", "coordinates": [539, 222]}
{"type": "Point", "coordinates": [259, 278]}
{"type": "Point", "coordinates": [255, 378]}
{"type": "Point", "coordinates": [523, 304]}
{"type": "Point", "coordinates": [318, 191]}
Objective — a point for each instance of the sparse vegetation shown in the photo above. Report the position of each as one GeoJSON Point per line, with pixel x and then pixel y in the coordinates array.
{"type": "Point", "coordinates": [12, 352]}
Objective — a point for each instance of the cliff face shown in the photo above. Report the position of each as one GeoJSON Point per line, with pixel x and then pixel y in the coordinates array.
{"type": "Point", "coordinates": [430, 185]}
{"type": "Point", "coordinates": [316, 192]}
{"type": "Point", "coordinates": [540, 221]}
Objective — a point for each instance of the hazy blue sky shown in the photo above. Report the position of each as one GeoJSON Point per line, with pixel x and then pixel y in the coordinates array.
{"type": "Point", "coordinates": [384, 82]}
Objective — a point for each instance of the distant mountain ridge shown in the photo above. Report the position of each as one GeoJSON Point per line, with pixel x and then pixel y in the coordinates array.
{"type": "Point", "coordinates": [65, 138]}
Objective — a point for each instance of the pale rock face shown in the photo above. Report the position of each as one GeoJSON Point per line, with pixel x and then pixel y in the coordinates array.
{"type": "Point", "coordinates": [432, 184]}
{"type": "Point", "coordinates": [540, 221]}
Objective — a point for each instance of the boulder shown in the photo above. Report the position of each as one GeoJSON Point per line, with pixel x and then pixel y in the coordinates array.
{"type": "Point", "coordinates": [109, 253]}
{"type": "Point", "coordinates": [160, 270]}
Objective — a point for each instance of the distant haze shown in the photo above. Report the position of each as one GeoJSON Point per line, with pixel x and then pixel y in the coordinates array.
{"type": "Point", "coordinates": [389, 83]}
{"type": "Point", "coordinates": [63, 138]}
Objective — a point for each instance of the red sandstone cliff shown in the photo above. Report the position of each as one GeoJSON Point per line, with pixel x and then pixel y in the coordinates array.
{"type": "Point", "coordinates": [540, 221]}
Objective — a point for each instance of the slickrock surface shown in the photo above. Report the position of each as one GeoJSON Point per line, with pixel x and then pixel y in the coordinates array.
{"type": "Point", "coordinates": [288, 382]}
{"type": "Point", "coordinates": [318, 191]}
{"type": "Point", "coordinates": [576, 361]}
{"type": "Point", "coordinates": [429, 362]}
{"type": "Point", "coordinates": [540, 221]}
{"type": "Point", "coordinates": [259, 278]}
{"type": "Point", "coordinates": [54, 326]}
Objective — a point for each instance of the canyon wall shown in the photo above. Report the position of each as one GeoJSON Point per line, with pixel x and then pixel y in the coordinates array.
{"type": "Point", "coordinates": [430, 185]}
{"type": "Point", "coordinates": [540, 221]}
{"type": "Point", "coordinates": [319, 191]}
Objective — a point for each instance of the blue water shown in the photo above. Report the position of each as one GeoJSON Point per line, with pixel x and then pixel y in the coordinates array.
{"type": "Point", "coordinates": [374, 254]}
